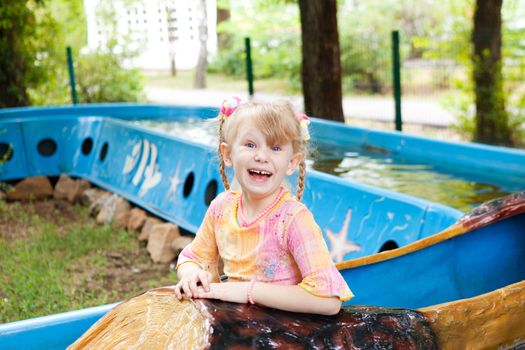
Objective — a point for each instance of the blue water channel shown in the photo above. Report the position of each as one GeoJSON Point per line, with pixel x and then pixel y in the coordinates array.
{"type": "Point", "coordinates": [460, 188]}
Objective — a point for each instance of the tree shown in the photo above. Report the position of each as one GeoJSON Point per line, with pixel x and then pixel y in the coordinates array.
{"type": "Point", "coordinates": [321, 63]}
{"type": "Point", "coordinates": [202, 61]}
{"type": "Point", "coordinates": [18, 51]}
{"type": "Point", "coordinates": [223, 15]}
{"type": "Point", "coordinates": [492, 122]}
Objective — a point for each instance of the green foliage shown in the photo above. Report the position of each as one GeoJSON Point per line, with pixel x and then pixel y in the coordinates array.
{"type": "Point", "coordinates": [101, 78]}
{"type": "Point", "coordinates": [21, 41]}
{"type": "Point", "coordinates": [275, 38]}
{"type": "Point", "coordinates": [33, 62]}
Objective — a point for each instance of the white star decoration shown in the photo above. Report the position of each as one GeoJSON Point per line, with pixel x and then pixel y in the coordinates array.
{"type": "Point", "coordinates": [339, 243]}
{"type": "Point", "coordinates": [175, 181]}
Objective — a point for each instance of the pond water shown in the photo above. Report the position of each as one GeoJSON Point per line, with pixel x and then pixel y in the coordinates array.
{"type": "Point", "coordinates": [460, 188]}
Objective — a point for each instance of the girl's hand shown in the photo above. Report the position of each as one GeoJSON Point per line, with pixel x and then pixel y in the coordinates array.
{"type": "Point", "coordinates": [190, 284]}
{"type": "Point", "coordinates": [235, 292]}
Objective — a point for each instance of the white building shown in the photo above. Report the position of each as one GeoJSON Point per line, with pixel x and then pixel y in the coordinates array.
{"type": "Point", "coordinates": [159, 29]}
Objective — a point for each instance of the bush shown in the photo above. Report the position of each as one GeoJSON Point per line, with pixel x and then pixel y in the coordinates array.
{"type": "Point", "coordinates": [101, 78]}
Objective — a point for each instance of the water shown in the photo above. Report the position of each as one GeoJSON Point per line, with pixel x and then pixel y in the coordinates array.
{"type": "Point", "coordinates": [462, 188]}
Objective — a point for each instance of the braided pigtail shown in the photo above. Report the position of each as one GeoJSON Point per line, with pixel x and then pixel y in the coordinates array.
{"type": "Point", "coordinates": [300, 180]}
{"type": "Point", "coordinates": [222, 166]}
{"type": "Point", "coordinates": [227, 108]}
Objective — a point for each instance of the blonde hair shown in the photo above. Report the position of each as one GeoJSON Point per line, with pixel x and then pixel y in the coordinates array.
{"type": "Point", "coordinates": [277, 121]}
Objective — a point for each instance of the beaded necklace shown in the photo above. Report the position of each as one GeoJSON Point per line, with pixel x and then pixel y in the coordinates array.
{"type": "Point", "coordinates": [246, 223]}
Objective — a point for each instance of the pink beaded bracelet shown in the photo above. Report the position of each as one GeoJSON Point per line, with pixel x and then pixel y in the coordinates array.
{"type": "Point", "coordinates": [250, 289]}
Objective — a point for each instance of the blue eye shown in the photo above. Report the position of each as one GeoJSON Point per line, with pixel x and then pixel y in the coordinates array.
{"type": "Point", "coordinates": [276, 148]}
{"type": "Point", "coordinates": [250, 145]}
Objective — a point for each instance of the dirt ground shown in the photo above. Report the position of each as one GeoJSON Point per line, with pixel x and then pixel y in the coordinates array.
{"type": "Point", "coordinates": [125, 272]}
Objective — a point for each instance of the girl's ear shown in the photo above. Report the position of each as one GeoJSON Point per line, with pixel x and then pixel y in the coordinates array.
{"type": "Point", "coordinates": [226, 154]}
{"type": "Point", "coordinates": [296, 159]}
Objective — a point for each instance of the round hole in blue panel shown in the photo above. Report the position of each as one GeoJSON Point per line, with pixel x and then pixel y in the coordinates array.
{"type": "Point", "coordinates": [6, 152]}
{"type": "Point", "coordinates": [87, 146]}
{"type": "Point", "coordinates": [388, 245]}
{"type": "Point", "coordinates": [104, 151]}
{"type": "Point", "coordinates": [47, 147]}
{"type": "Point", "coordinates": [188, 184]}
{"type": "Point", "coordinates": [211, 192]}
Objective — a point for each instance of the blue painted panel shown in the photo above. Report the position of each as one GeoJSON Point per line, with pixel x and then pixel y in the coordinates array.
{"type": "Point", "coordinates": [59, 131]}
{"type": "Point", "coordinates": [154, 171]}
{"type": "Point", "coordinates": [86, 129]}
{"type": "Point", "coordinates": [358, 219]}
{"type": "Point", "coordinates": [128, 111]}
{"type": "Point", "coordinates": [461, 267]}
{"type": "Point", "coordinates": [436, 218]}
{"type": "Point", "coordinates": [463, 154]}
{"type": "Point", "coordinates": [52, 332]}
{"type": "Point", "coordinates": [16, 166]}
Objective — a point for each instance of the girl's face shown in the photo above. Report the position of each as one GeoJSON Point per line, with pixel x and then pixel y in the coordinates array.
{"type": "Point", "coordinates": [259, 167]}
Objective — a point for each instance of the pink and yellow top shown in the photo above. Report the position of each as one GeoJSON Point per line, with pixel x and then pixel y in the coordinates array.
{"type": "Point", "coordinates": [285, 247]}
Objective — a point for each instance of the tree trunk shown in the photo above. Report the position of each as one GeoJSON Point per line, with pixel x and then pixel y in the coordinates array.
{"type": "Point", "coordinates": [492, 121]}
{"type": "Point", "coordinates": [202, 63]}
{"type": "Point", "coordinates": [223, 15]}
{"type": "Point", "coordinates": [321, 63]}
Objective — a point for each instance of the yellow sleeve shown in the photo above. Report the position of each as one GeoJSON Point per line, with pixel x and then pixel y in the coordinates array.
{"type": "Point", "coordinates": [203, 249]}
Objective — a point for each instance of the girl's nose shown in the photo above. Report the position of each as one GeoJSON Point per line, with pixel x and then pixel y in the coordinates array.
{"type": "Point", "coordinates": [260, 155]}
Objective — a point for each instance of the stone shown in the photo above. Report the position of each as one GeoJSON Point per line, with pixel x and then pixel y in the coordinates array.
{"type": "Point", "coordinates": [90, 196]}
{"type": "Point", "coordinates": [100, 199]}
{"type": "Point", "coordinates": [31, 188]}
{"type": "Point", "coordinates": [179, 243]}
{"type": "Point", "coordinates": [65, 187]}
{"type": "Point", "coordinates": [81, 187]}
{"type": "Point", "coordinates": [120, 220]}
{"type": "Point", "coordinates": [146, 228]}
{"type": "Point", "coordinates": [160, 240]}
{"type": "Point", "coordinates": [112, 207]}
{"type": "Point", "coordinates": [136, 220]}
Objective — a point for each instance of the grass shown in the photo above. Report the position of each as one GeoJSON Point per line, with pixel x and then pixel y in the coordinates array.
{"type": "Point", "coordinates": [52, 268]}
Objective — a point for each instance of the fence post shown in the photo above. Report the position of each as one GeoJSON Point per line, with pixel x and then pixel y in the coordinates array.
{"type": "Point", "coordinates": [249, 69]}
{"type": "Point", "coordinates": [396, 83]}
{"type": "Point", "coordinates": [71, 70]}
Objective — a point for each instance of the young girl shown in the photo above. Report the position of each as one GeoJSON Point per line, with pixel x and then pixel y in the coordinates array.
{"type": "Point", "coordinates": [273, 251]}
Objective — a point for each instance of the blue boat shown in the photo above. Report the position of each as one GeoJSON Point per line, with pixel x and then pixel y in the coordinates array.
{"type": "Point", "coordinates": [176, 179]}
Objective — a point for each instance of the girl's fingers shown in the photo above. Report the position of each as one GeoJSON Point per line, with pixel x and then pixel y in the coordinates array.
{"type": "Point", "coordinates": [205, 281]}
{"type": "Point", "coordinates": [193, 284]}
{"type": "Point", "coordinates": [187, 290]}
{"type": "Point", "coordinates": [177, 291]}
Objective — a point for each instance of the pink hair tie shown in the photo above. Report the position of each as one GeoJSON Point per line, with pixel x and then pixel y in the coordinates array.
{"type": "Point", "coordinates": [229, 106]}
{"type": "Point", "coordinates": [304, 121]}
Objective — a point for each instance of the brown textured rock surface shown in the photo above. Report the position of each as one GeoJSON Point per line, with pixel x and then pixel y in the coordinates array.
{"type": "Point", "coordinates": [120, 220]}
{"type": "Point", "coordinates": [146, 228]}
{"type": "Point", "coordinates": [90, 196]}
{"type": "Point", "coordinates": [160, 240]}
{"type": "Point", "coordinates": [65, 187]}
{"type": "Point", "coordinates": [112, 207]}
{"type": "Point", "coordinates": [136, 220]}
{"type": "Point", "coordinates": [31, 188]}
{"type": "Point", "coordinates": [157, 320]}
